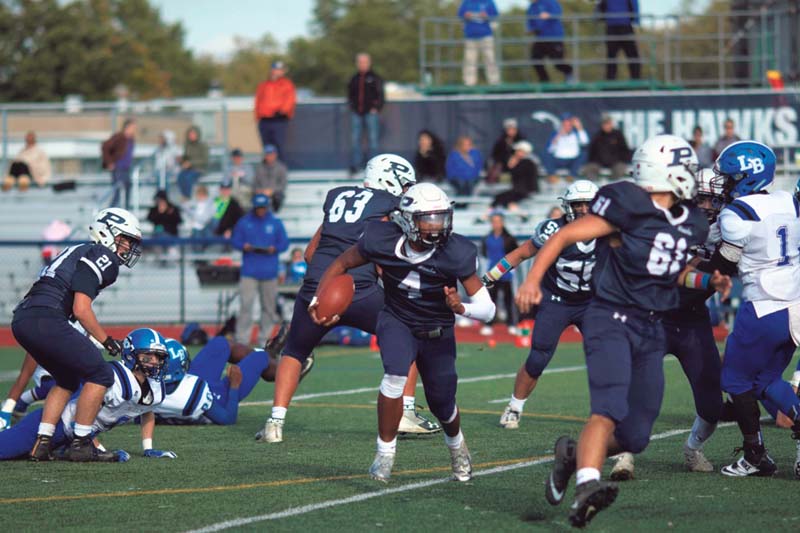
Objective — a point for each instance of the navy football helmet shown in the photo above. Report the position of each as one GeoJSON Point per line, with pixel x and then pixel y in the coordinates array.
{"type": "Point", "coordinates": [746, 167]}
{"type": "Point", "coordinates": [178, 363]}
{"type": "Point", "coordinates": [142, 342]}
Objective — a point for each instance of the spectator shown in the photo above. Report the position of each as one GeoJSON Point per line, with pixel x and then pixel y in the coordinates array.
{"type": "Point", "coordinates": [430, 157]}
{"type": "Point", "coordinates": [200, 212]}
{"type": "Point", "coordinates": [620, 16]}
{"type": "Point", "coordinates": [728, 138]}
{"type": "Point", "coordinates": [524, 177]}
{"type": "Point", "coordinates": [365, 96]}
{"type": "Point", "coordinates": [260, 235]}
{"type": "Point", "coordinates": [555, 212]}
{"type": "Point", "coordinates": [295, 268]}
{"type": "Point", "coordinates": [477, 15]}
{"type": "Point", "coordinates": [166, 159]}
{"type": "Point", "coordinates": [544, 21]}
{"type": "Point", "coordinates": [194, 162]}
{"type": "Point", "coordinates": [164, 216]}
{"type": "Point", "coordinates": [241, 175]}
{"type": "Point", "coordinates": [30, 162]}
{"type": "Point", "coordinates": [494, 247]}
{"type": "Point", "coordinates": [271, 177]}
{"type": "Point", "coordinates": [564, 148]}
{"type": "Point", "coordinates": [608, 149]}
{"type": "Point", "coordinates": [503, 149]}
{"type": "Point", "coordinates": [275, 102]}
{"type": "Point", "coordinates": [227, 210]}
{"type": "Point", "coordinates": [118, 158]}
{"type": "Point", "coordinates": [463, 166]}
{"type": "Point", "coordinates": [705, 156]}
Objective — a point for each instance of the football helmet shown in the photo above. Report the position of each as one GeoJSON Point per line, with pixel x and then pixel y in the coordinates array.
{"type": "Point", "coordinates": [710, 188]}
{"type": "Point", "coordinates": [389, 172]}
{"type": "Point", "coordinates": [425, 215]}
{"type": "Point", "coordinates": [747, 168]}
{"type": "Point", "coordinates": [145, 341]}
{"type": "Point", "coordinates": [582, 191]}
{"type": "Point", "coordinates": [666, 163]}
{"type": "Point", "coordinates": [178, 362]}
{"type": "Point", "coordinates": [111, 223]}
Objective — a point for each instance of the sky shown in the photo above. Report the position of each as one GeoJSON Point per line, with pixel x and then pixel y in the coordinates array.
{"type": "Point", "coordinates": [210, 28]}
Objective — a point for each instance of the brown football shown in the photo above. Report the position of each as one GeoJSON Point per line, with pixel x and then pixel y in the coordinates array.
{"type": "Point", "coordinates": [335, 296]}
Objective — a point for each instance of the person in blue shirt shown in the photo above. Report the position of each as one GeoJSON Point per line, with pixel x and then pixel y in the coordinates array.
{"type": "Point", "coordinates": [494, 247]}
{"type": "Point", "coordinates": [544, 21]}
{"type": "Point", "coordinates": [477, 16]}
{"type": "Point", "coordinates": [261, 237]}
{"type": "Point", "coordinates": [463, 166]}
{"type": "Point", "coordinates": [620, 16]}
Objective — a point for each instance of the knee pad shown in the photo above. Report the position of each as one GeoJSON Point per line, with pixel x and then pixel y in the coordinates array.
{"type": "Point", "coordinates": [536, 363]}
{"type": "Point", "coordinates": [392, 386]}
{"type": "Point", "coordinates": [101, 375]}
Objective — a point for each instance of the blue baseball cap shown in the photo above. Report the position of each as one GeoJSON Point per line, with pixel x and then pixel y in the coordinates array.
{"type": "Point", "coordinates": [270, 149]}
{"type": "Point", "coordinates": [260, 200]}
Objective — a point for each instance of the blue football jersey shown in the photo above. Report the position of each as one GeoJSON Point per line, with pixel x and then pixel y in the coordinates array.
{"type": "Point", "coordinates": [86, 268]}
{"type": "Point", "coordinates": [346, 211]}
{"type": "Point", "coordinates": [570, 277]}
{"type": "Point", "coordinates": [414, 292]}
{"type": "Point", "coordinates": [654, 247]}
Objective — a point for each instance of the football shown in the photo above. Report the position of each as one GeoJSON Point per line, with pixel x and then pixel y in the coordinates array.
{"type": "Point", "coordinates": [335, 296]}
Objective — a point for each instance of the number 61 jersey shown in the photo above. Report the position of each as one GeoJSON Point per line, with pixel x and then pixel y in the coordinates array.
{"type": "Point", "coordinates": [643, 270]}
{"type": "Point", "coordinates": [569, 279]}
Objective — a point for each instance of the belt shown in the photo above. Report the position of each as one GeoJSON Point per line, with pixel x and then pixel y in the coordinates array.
{"type": "Point", "coordinates": [429, 334]}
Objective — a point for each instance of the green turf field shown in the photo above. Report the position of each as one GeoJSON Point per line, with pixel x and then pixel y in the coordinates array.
{"type": "Point", "coordinates": [316, 479]}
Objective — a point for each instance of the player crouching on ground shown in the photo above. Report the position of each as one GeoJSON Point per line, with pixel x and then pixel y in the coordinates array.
{"type": "Point", "coordinates": [421, 262]}
{"type": "Point", "coordinates": [137, 388]}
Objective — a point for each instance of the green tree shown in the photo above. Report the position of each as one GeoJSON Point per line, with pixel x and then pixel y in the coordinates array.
{"type": "Point", "coordinates": [249, 64]}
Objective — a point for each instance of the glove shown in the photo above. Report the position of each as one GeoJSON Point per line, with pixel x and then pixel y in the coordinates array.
{"type": "Point", "coordinates": [112, 346]}
{"type": "Point", "coordinates": [122, 456]}
{"type": "Point", "coordinates": [487, 281]}
{"type": "Point", "coordinates": [159, 453]}
{"type": "Point", "coordinates": [5, 420]}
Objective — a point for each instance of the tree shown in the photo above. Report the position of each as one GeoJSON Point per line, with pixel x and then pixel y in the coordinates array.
{"type": "Point", "coordinates": [249, 64]}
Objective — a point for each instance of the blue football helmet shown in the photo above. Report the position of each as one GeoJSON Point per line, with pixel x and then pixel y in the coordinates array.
{"type": "Point", "coordinates": [746, 167]}
{"type": "Point", "coordinates": [178, 363]}
{"type": "Point", "coordinates": [145, 341]}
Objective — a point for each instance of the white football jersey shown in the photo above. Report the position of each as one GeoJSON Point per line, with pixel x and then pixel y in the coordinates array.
{"type": "Point", "coordinates": [122, 402]}
{"type": "Point", "coordinates": [767, 229]}
{"type": "Point", "coordinates": [188, 402]}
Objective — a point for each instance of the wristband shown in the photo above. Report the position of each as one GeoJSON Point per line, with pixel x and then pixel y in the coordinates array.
{"type": "Point", "coordinates": [697, 280]}
{"type": "Point", "coordinates": [499, 270]}
{"type": "Point", "coordinates": [8, 405]}
{"type": "Point", "coordinates": [147, 444]}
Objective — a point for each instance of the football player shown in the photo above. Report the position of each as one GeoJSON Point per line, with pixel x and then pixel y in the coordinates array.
{"type": "Point", "coordinates": [567, 290]}
{"type": "Point", "coordinates": [137, 387]}
{"type": "Point", "coordinates": [347, 210]}
{"type": "Point", "coordinates": [635, 284]}
{"type": "Point", "coordinates": [421, 262]}
{"type": "Point", "coordinates": [65, 290]}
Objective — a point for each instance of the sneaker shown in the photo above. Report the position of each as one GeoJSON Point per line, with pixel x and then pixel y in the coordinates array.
{"type": "Point", "coordinates": [564, 466]}
{"type": "Point", "coordinates": [83, 450]}
{"type": "Point", "coordinates": [42, 449]}
{"type": "Point", "coordinates": [274, 346]}
{"type": "Point", "coordinates": [591, 498]}
{"type": "Point", "coordinates": [762, 466]}
{"type": "Point", "coordinates": [307, 366]}
{"type": "Point", "coordinates": [696, 460]}
{"type": "Point", "coordinates": [623, 469]}
{"type": "Point", "coordinates": [272, 431]}
{"type": "Point", "coordinates": [510, 418]}
{"type": "Point", "coordinates": [413, 422]}
{"type": "Point", "coordinates": [461, 462]}
{"type": "Point", "coordinates": [381, 469]}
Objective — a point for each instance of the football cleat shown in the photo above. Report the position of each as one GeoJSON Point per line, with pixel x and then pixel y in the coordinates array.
{"type": "Point", "coordinates": [564, 466]}
{"type": "Point", "coordinates": [461, 462]}
{"type": "Point", "coordinates": [42, 449]}
{"type": "Point", "coordinates": [510, 418]}
{"type": "Point", "coordinates": [272, 431]}
{"type": "Point", "coordinates": [83, 450]}
{"type": "Point", "coordinates": [763, 467]}
{"type": "Point", "coordinates": [413, 422]}
{"type": "Point", "coordinates": [591, 498]}
{"type": "Point", "coordinates": [696, 460]}
{"type": "Point", "coordinates": [274, 346]}
{"type": "Point", "coordinates": [623, 468]}
{"type": "Point", "coordinates": [307, 366]}
{"type": "Point", "coordinates": [381, 468]}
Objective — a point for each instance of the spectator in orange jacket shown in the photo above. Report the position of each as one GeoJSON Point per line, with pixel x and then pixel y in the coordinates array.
{"type": "Point", "coordinates": [275, 103]}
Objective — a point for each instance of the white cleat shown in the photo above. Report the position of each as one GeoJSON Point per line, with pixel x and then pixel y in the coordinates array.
{"type": "Point", "coordinates": [381, 469]}
{"type": "Point", "coordinates": [623, 469]}
{"type": "Point", "coordinates": [461, 462]}
{"type": "Point", "coordinates": [413, 422]}
{"type": "Point", "coordinates": [272, 431]}
{"type": "Point", "coordinates": [696, 460]}
{"type": "Point", "coordinates": [510, 418]}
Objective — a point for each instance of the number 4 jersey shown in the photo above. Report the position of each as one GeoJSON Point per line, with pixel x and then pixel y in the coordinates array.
{"type": "Point", "coordinates": [643, 270]}
{"type": "Point", "coordinates": [569, 279]}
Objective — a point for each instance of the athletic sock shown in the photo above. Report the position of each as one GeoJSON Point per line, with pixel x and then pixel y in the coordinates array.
{"type": "Point", "coordinates": [81, 430]}
{"type": "Point", "coordinates": [409, 403]}
{"type": "Point", "coordinates": [28, 396]}
{"type": "Point", "coordinates": [46, 429]}
{"type": "Point", "coordinates": [454, 442]}
{"type": "Point", "coordinates": [701, 431]}
{"type": "Point", "coordinates": [517, 404]}
{"type": "Point", "coordinates": [279, 413]}
{"type": "Point", "coordinates": [387, 448]}
{"type": "Point", "coordinates": [587, 474]}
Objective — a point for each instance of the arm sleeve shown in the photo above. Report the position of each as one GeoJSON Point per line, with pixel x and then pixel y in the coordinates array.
{"type": "Point", "coordinates": [225, 414]}
{"type": "Point", "coordinates": [554, 8]}
{"type": "Point", "coordinates": [290, 100]}
{"type": "Point", "coordinates": [583, 138]}
{"type": "Point", "coordinates": [735, 230]}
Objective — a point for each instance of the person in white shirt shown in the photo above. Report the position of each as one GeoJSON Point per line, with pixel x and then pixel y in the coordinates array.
{"type": "Point", "coordinates": [565, 148]}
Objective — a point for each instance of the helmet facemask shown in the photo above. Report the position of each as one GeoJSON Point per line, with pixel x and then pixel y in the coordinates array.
{"type": "Point", "coordinates": [150, 362]}
{"type": "Point", "coordinates": [427, 229]}
{"type": "Point", "coordinates": [569, 209]}
{"type": "Point", "coordinates": [127, 247]}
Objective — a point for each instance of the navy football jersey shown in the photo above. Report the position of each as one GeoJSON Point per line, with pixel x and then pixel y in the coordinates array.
{"type": "Point", "coordinates": [347, 210]}
{"type": "Point", "coordinates": [654, 247]}
{"type": "Point", "coordinates": [414, 292]}
{"type": "Point", "coordinates": [86, 268]}
{"type": "Point", "coordinates": [570, 277]}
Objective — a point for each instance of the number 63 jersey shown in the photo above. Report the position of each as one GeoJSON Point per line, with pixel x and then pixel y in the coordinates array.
{"type": "Point", "coordinates": [570, 277]}
{"type": "Point", "coordinates": [654, 243]}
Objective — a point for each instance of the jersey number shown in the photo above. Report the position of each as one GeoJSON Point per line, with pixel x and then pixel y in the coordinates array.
{"type": "Point", "coordinates": [574, 276]}
{"type": "Point", "coordinates": [666, 255]}
{"type": "Point", "coordinates": [411, 284]}
{"type": "Point", "coordinates": [339, 207]}
{"type": "Point", "coordinates": [50, 270]}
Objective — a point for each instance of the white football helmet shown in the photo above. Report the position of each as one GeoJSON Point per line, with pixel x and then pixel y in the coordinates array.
{"type": "Point", "coordinates": [582, 191]}
{"type": "Point", "coordinates": [389, 172]}
{"type": "Point", "coordinates": [666, 163]}
{"type": "Point", "coordinates": [113, 222]}
{"type": "Point", "coordinates": [425, 215]}
{"type": "Point", "coordinates": [711, 188]}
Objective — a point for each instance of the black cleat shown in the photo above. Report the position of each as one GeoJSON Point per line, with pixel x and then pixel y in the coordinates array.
{"type": "Point", "coordinates": [82, 450]}
{"type": "Point", "coordinates": [307, 366]}
{"type": "Point", "coordinates": [591, 498]}
{"type": "Point", "coordinates": [753, 463]}
{"type": "Point", "coordinates": [42, 449]}
{"type": "Point", "coordinates": [563, 468]}
{"type": "Point", "coordinates": [274, 345]}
